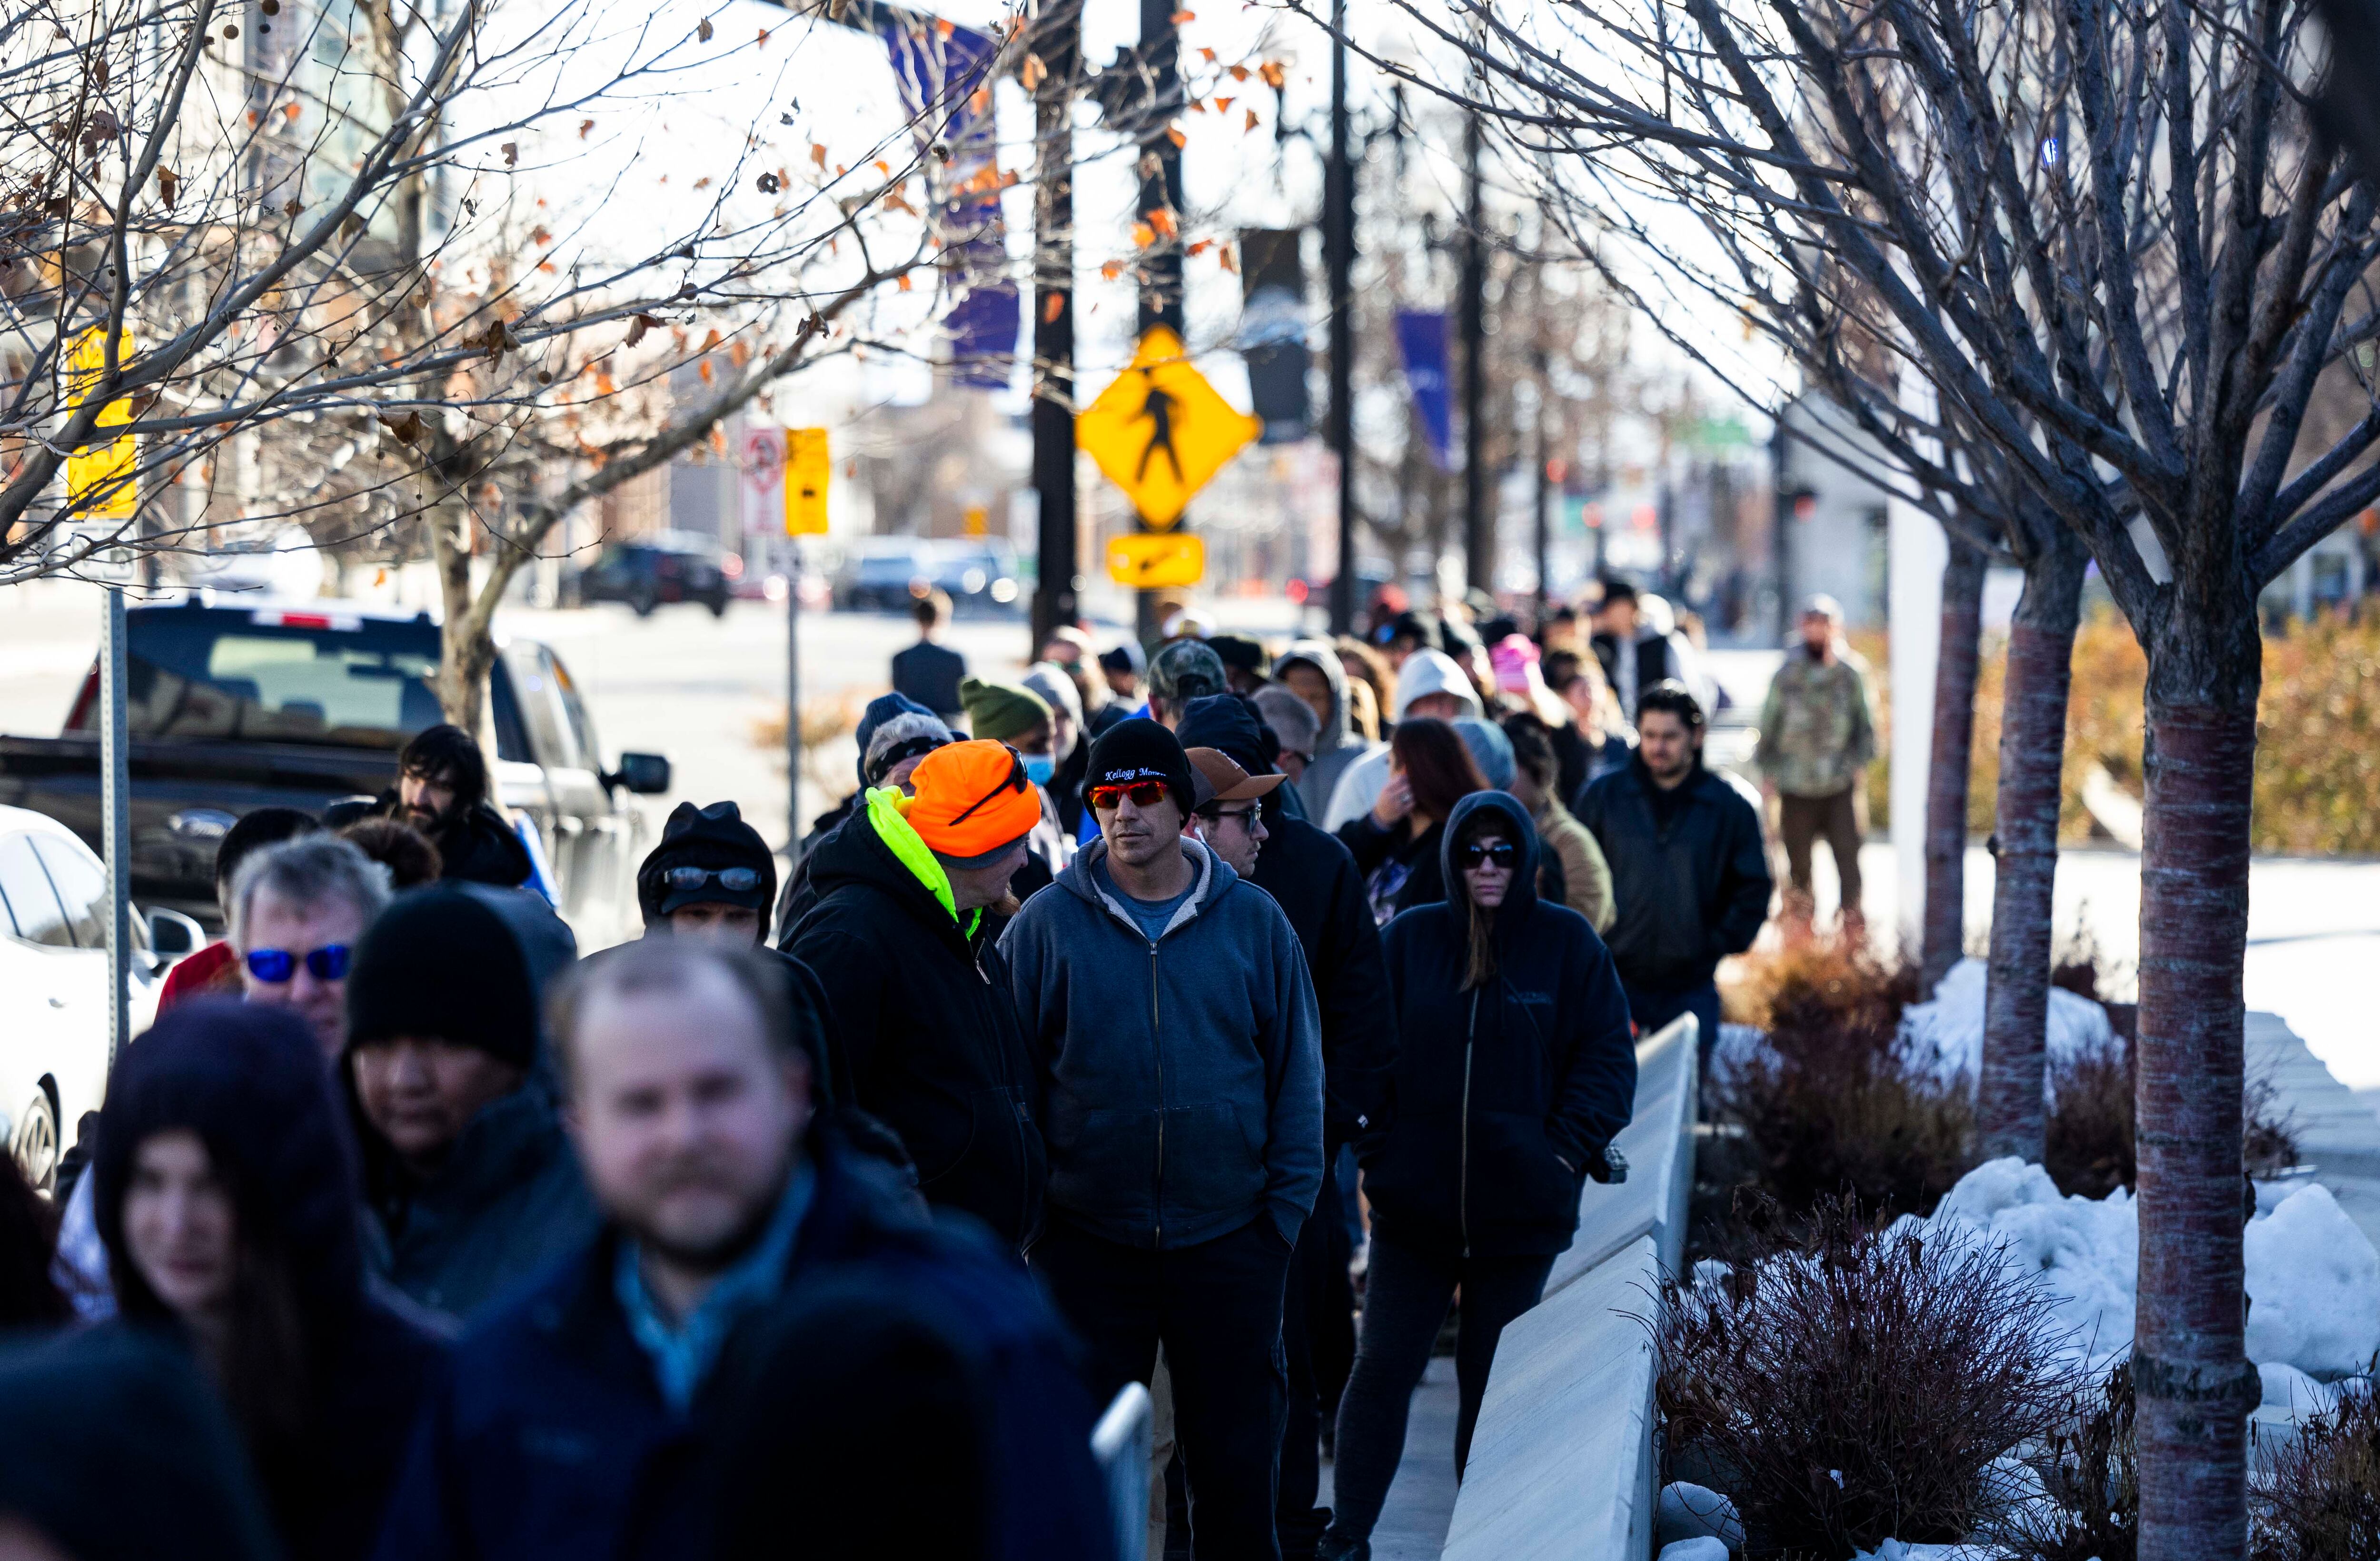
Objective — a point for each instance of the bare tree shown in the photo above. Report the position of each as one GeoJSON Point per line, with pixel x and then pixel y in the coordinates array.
{"type": "Point", "coordinates": [2108, 243]}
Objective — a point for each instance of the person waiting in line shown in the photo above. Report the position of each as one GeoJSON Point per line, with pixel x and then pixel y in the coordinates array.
{"type": "Point", "coordinates": [1070, 747]}
{"type": "Point", "coordinates": [1179, 672]}
{"type": "Point", "coordinates": [913, 992]}
{"type": "Point", "coordinates": [893, 734]}
{"type": "Point", "coordinates": [1171, 1022]}
{"type": "Point", "coordinates": [1014, 714]}
{"type": "Point", "coordinates": [1244, 661]}
{"type": "Point", "coordinates": [215, 969]}
{"type": "Point", "coordinates": [442, 790]}
{"type": "Point", "coordinates": [1121, 669]}
{"type": "Point", "coordinates": [582, 1417]}
{"type": "Point", "coordinates": [1291, 721]}
{"type": "Point", "coordinates": [1429, 683]}
{"type": "Point", "coordinates": [1689, 866]}
{"type": "Point", "coordinates": [470, 1187]}
{"type": "Point", "coordinates": [1597, 738]}
{"type": "Point", "coordinates": [1515, 1069]}
{"type": "Point", "coordinates": [930, 672]}
{"type": "Point", "coordinates": [1579, 876]}
{"type": "Point", "coordinates": [408, 854]}
{"type": "Point", "coordinates": [1312, 670]}
{"type": "Point", "coordinates": [225, 1194]}
{"type": "Point", "coordinates": [1396, 844]}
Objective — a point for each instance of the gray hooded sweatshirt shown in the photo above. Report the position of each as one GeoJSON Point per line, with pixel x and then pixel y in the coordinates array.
{"type": "Point", "coordinates": [1183, 1076]}
{"type": "Point", "coordinates": [1338, 746]}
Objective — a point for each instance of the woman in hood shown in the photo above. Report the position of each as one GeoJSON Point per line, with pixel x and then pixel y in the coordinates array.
{"type": "Point", "coordinates": [224, 1189]}
{"type": "Point", "coordinates": [1515, 1071]}
{"type": "Point", "coordinates": [1396, 844]}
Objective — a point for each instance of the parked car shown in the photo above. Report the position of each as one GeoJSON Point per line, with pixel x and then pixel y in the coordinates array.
{"type": "Point", "coordinates": [231, 708]}
{"type": "Point", "coordinates": [978, 575]}
{"type": "Point", "coordinates": [669, 566]}
{"type": "Point", "coordinates": [53, 985]}
{"type": "Point", "coordinates": [885, 575]}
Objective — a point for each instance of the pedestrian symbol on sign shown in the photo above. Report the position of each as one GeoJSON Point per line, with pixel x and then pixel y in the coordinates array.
{"type": "Point", "coordinates": [1158, 410]}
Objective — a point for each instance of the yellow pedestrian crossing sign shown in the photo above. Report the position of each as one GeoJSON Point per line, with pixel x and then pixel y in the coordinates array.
{"type": "Point", "coordinates": [1155, 560]}
{"type": "Point", "coordinates": [808, 470]}
{"type": "Point", "coordinates": [1160, 430]}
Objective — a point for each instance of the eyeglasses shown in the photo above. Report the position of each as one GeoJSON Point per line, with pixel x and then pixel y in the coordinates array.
{"type": "Point", "coordinates": [1144, 794]}
{"type": "Point", "coordinates": [735, 880]}
{"type": "Point", "coordinates": [1016, 781]}
{"type": "Point", "coordinates": [1245, 815]}
{"type": "Point", "coordinates": [1503, 853]}
{"type": "Point", "coordinates": [273, 966]}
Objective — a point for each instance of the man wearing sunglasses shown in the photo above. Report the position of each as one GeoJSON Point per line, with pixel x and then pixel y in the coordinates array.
{"type": "Point", "coordinates": [711, 876]}
{"type": "Point", "coordinates": [1168, 1010]}
{"type": "Point", "coordinates": [913, 996]}
{"type": "Point", "coordinates": [298, 911]}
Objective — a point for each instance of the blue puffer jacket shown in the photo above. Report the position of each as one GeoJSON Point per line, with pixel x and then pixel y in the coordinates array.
{"type": "Point", "coordinates": [1183, 1077]}
{"type": "Point", "coordinates": [548, 1439]}
{"type": "Point", "coordinates": [1503, 1091]}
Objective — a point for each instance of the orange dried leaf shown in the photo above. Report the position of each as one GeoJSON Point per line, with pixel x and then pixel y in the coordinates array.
{"type": "Point", "coordinates": [290, 112]}
{"type": "Point", "coordinates": [703, 369]}
{"type": "Point", "coordinates": [1110, 270]}
{"type": "Point", "coordinates": [1207, 54]}
{"type": "Point", "coordinates": [537, 235]}
{"type": "Point", "coordinates": [903, 282]}
{"type": "Point", "coordinates": [1229, 263]}
{"type": "Point", "coordinates": [884, 167]}
{"type": "Point", "coordinates": [1273, 74]}
{"type": "Point", "coordinates": [703, 30]}
{"type": "Point", "coordinates": [1163, 221]}
{"type": "Point", "coordinates": [585, 126]}
{"type": "Point", "coordinates": [1178, 136]}
{"type": "Point", "coordinates": [1143, 234]}
{"type": "Point", "coordinates": [1183, 19]}
{"type": "Point", "coordinates": [604, 386]}
{"type": "Point", "coordinates": [1239, 73]}
{"type": "Point", "coordinates": [1053, 307]}
{"type": "Point", "coordinates": [943, 29]}
{"type": "Point", "coordinates": [1224, 105]}
{"type": "Point", "coordinates": [1251, 122]}
{"type": "Point", "coordinates": [763, 40]}
{"type": "Point", "coordinates": [979, 100]}
{"type": "Point", "coordinates": [1202, 246]}
{"type": "Point", "coordinates": [1033, 73]}
{"type": "Point", "coordinates": [711, 340]}
{"type": "Point", "coordinates": [740, 353]}
{"type": "Point", "coordinates": [818, 155]}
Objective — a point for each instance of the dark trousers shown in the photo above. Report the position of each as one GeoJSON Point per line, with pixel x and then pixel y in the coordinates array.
{"type": "Point", "coordinates": [1217, 1309]}
{"type": "Point", "coordinates": [1318, 1337]}
{"type": "Point", "coordinates": [1805, 820]}
{"type": "Point", "coordinates": [1405, 1298]}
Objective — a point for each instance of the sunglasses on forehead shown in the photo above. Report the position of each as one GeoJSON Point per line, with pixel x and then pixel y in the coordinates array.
{"type": "Point", "coordinates": [1016, 781]}
{"type": "Point", "coordinates": [1144, 794]}
{"type": "Point", "coordinates": [1476, 853]}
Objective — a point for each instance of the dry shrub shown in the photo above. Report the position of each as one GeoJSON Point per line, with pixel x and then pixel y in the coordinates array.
{"type": "Point", "coordinates": [2322, 1501]}
{"type": "Point", "coordinates": [2090, 1480]}
{"type": "Point", "coordinates": [1833, 1103]}
{"type": "Point", "coordinates": [2088, 1149]}
{"type": "Point", "coordinates": [1859, 1386]}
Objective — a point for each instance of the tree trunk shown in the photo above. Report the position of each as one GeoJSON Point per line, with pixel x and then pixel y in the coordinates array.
{"type": "Point", "coordinates": [2190, 1369]}
{"type": "Point", "coordinates": [1945, 934]}
{"type": "Point", "coordinates": [2010, 1114]}
{"type": "Point", "coordinates": [463, 656]}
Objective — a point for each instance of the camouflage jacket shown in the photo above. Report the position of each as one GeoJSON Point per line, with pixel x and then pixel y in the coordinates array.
{"type": "Point", "coordinates": [1818, 729]}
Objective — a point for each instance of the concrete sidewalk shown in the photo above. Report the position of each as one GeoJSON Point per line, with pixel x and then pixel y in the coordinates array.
{"type": "Point", "coordinates": [1421, 1501]}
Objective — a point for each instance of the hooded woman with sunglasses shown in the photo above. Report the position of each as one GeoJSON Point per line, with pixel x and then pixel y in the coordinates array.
{"type": "Point", "coordinates": [1515, 1070]}
{"type": "Point", "coordinates": [224, 1189]}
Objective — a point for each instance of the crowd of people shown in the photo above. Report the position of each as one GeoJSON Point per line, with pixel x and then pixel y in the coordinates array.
{"type": "Point", "coordinates": [1125, 1020]}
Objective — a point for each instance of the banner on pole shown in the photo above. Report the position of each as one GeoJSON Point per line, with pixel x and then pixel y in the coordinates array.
{"type": "Point", "coordinates": [944, 73]}
{"type": "Point", "coordinates": [1421, 338]}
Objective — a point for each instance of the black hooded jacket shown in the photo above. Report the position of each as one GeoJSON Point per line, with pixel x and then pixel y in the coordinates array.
{"type": "Point", "coordinates": [1691, 881]}
{"type": "Point", "coordinates": [1504, 1091]}
{"type": "Point", "coordinates": [480, 848]}
{"type": "Point", "coordinates": [922, 1029]}
{"type": "Point", "coordinates": [249, 1082]}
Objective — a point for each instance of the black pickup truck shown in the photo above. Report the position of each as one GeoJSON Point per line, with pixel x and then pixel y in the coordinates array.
{"type": "Point", "coordinates": [239, 705]}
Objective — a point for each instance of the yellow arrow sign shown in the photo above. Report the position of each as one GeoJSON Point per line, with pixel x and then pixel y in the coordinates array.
{"type": "Point", "coordinates": [1160, 430]}
{"type": "Point", "coordinates": [1155, 560]}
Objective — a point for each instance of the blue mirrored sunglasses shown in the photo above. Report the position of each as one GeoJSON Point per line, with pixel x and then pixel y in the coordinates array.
{"type": "Point", "coordinates": [273, 966]}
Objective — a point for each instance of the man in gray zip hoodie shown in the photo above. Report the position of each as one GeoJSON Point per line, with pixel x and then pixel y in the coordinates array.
{"type": "Point", "coordinates": [1167, 1006]}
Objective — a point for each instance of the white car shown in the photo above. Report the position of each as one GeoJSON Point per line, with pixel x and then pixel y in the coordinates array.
{"type": "Point", "coordinates": [54, 985]}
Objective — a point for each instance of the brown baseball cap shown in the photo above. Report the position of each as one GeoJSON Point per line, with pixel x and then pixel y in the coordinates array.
{"type": "Point", "coordinates": [1218, 779]}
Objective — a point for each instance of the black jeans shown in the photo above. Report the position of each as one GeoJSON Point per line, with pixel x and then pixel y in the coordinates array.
{"type": "Point", "coordinates": [1216, 1307]}
{"type": "Point", "coordinates": [1405, 1300]}
{"type": "Point", "coordinates": [1318, 1342]}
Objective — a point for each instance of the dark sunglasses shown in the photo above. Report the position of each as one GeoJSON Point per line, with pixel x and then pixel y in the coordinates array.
{"type": "Point", "coordinates": [273, 966]}
{"type": "Point", "coordinates": [1503, 853]}
{"type": "Point", "coordinates": [1016, 781]}
{"type": "Point", "coordinates": [735, 880]}
{"type": "Point", "coordinates": [1144, 794]}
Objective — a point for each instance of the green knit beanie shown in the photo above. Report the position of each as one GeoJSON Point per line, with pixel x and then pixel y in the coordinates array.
{"type": "Point", "coordinates": [1002, 711]}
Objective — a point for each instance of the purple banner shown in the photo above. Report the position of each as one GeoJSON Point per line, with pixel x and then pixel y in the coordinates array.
{"type": "Point", "coordinates": [940, 69]}
{"type": "Point", "coordinates": [1421, 337]}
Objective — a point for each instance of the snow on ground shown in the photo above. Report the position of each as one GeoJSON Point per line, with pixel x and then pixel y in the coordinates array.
{"type": "Point", "coordinates": [2314, 1278]}
{"type": "Point", "coordinates": [1948, 1031]}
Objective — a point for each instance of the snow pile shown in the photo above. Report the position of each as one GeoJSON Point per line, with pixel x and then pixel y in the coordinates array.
{"type": "Point", "coordinates": [2314, 1278]}
{"type": "Point", "coordinates": [1948, 1033]}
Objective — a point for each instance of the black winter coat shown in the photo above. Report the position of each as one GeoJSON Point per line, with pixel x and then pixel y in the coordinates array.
{"type": "Point", "coordinates": [1503, 1093]}
{"type": "Point", "coordinates": [1690, 894]}
{"type": "Point", "coordinates": [1374, 848]}
{"type": "Point", "coordinates": [923, 1032]}
{"type": "Point", "coordinates": [550, 1439]}
{"type": "Point", "coordinates": [1315, 881]}
{"type": "Point", "coordinates": [480, 848]}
